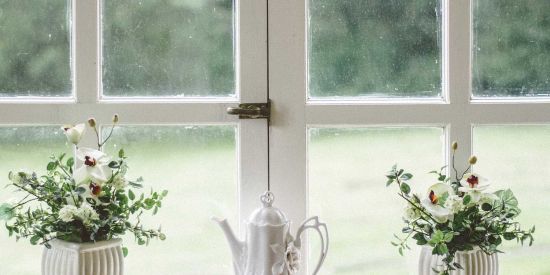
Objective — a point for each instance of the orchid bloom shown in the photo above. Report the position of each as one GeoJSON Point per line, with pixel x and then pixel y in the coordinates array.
{"type": "Point", "coordinates": [473, 184]}
{"type": "Point", "coordinates": [431, 202]}
{"type": "Point", "coordinates": [94, 168]}
{"type": "Point", "coordinates": [74, 133]}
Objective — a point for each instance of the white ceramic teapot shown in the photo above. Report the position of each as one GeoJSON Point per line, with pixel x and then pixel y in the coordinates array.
{"type": "Point", "coordinates": [269, 248]}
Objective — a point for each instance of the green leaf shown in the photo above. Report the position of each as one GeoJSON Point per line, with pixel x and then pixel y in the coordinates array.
{"type": "Point", "coordinates": [35, 239]}
{"type": "Point", "coordinates": [131, 195]}
{"type": "Point", "coordinates": [125, 251]}
{"type": "Point", "coordinates": [406, 176]}
{"type": "Point", "coordinates": [6, 212]}
{"type": "Point", "coordinates": [509, 236]}
{"type": "Point", "coordinates": [467, 199]}
{"type": "Point", "coordinates": [441, 178]}
{"type": "Point", "coordinates": [486, 207]}
{"type": "Point", "coordinates": [51, 166]}
{"type": "Point", "coordinates": [507, 199]}
{"type": "Point", "coordinates": [70, 162]}
{"type": "Point", "coordinates": [162, 237]}
{"type": "Point", "coordinates": [121, 153]}
{"type": "Point", "coordinates": [114, 164]}
{"type": "Point", "coordinates": [135, 184]}
{"type": "Point", "coordinates": [405, 188]}
{"type": "Point", "coordinates": [164, 193]}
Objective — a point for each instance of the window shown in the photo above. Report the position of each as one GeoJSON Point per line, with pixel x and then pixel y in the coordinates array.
{"type": "Point", "coordinates": [170, 70]}
{"type": "Point", "coordinates": [335, 81]}
{"type": "Point", "coordinates": [354, 85]}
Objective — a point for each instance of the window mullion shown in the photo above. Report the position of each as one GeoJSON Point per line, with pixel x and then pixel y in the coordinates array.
{"type": "Point", "coordinates": [85, 50]}
{"type": "Point", "coordinates": [459, 76]}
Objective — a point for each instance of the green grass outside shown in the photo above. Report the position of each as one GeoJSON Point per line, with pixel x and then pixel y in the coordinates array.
{"type": "Point", "coordinates": [347, 167]}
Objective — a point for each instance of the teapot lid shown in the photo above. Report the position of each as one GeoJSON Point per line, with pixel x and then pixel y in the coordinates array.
{"type": "Point", "coordinates": [267, 214]}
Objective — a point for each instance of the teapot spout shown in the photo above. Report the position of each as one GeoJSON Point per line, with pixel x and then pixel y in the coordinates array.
{"type": "Point", "coordinates": [237, 246]}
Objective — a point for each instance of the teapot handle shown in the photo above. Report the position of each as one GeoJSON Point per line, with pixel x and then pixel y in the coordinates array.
{"type": "Point", "coordinates": [321, 228]}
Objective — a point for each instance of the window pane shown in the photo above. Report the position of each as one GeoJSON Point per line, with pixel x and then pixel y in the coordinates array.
{"type": "Point", "coordinates": [24, 148]}
{"type": "Point", "coordinates": [198, 165]}
{"type": "Point", "coordinates": [518, 157]}
{"type": "Point", "coordinates": [35, 48]}
{"type": "Point", "coordinates": [375, 48]}
{"type": "Point", "coordinates": [347, 186]}
{"type": "Point", "coordinates": [511, 44]}
{"type": "Point", "coordinates": [168, 48]}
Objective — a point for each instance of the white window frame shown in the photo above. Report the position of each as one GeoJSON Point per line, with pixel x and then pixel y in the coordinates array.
{"type": "Point", "coordinates": [86, 100]}
{"type": "Point", "coordinates": [458, 112]}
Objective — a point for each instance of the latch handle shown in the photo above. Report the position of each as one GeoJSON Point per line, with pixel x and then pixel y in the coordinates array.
{"type": "Point", "coordinates": [251, 110]}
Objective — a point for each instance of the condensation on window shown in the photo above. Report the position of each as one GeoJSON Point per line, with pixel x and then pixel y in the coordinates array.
{"type": "Point", "coordinates": [168, 48]}
{"type": "Point", "coordinates": [374, 49]}
{"type": "Point", "coordinates": [35, 48]}
{"type": "Point", "coordinates": [510, 48]}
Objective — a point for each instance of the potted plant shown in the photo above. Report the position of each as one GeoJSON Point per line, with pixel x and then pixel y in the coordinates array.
{"type": "Point", "coordinates": [458, 223]}
{"type": "Point", "coordinates": [80, 208]}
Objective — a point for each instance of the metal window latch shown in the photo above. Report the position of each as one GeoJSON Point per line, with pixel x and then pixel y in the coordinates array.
{"type": "Point", "coordinates": [251, 110]}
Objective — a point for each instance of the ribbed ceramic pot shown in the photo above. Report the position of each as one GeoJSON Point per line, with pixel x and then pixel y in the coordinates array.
{"type": "Point", "coordinates": [474, 262]}
{"type": "Point", "coordinates": [100, 258]}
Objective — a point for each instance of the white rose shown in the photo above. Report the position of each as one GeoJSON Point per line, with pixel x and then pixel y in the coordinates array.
{"type": "Point", "coordinates": [74, 133]}
{"type": "Point", "coordinates": [411, 213]}
{"type": "Point", "coordinates": [67, 213]}
{"type": "Point", "coordinates": [454, 203]}
{"type": "Point", "coordinates": [19, 177]}
{"type": "Point", "coordinates": [119, 183]}
{"type": "Point", "coordinates": [86, 213]}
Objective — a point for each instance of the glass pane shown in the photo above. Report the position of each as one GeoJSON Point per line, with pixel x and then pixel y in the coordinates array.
{"type": "Point", "coordinates": [347, 185]}
{"type": "Point", "coordinates": [24, 148]}
{"type": "Point", "coordinates": [518, 157]}
{"type": "Point", "coordinates": [168, 48]}
{"type": "Point", "coordinates": [510, 51]}
{"type": "Point", "coordinates": [376, 48]}
{"type": "Point", "coordinates": [198, 165]}
{"type": "Point", "coordinates": [35, 48]}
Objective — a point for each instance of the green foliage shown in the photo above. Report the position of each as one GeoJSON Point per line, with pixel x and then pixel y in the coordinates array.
{"type": "Point", "coordinates": [40, 216]}
{"type": "Point", "coordinates": [476, 220]}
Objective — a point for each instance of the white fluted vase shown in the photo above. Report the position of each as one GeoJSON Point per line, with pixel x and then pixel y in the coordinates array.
{"type": "Point", "coordinates": [474, 262]}
{"type": "Point", "coordinates": [100, 258]}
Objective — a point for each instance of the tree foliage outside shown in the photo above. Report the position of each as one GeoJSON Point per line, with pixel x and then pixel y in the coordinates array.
{"type": "Point", "coordinates": [356, 48]}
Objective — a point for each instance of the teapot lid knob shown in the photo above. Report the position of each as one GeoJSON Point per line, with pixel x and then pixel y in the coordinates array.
{"type": "Point", "coordinates": [267, 199]}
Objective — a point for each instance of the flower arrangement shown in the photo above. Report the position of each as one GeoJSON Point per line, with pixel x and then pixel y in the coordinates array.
{"type": "Point", "coordinates": [84, 200]}
{"type": "Point", "coordinates": [457, 214]}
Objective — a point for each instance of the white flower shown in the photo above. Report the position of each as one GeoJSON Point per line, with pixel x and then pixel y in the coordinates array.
{"type": "Point", "coordinates": [472, 182]}
{"type": "Point", "coordinates": [94, 166]}
{"type": "Point", "coordinates": [292, 259]}
{"type": "Point", "coordinates": [411, 213]}
{"type": "Point", "coordinates": [19, 177]}
{"type": "Point", "coordinates": [74, 133]}
{"type": "Point", "coordinates": [86, 213]}
{"type": "Point", "coordinates": [119, 183]}
{"type": "Point", "coordinates": [431, 203]}
{"type": "Point", "coordinates": [67, 213]}
{"type": "Point", "coordinates": [454, 203]}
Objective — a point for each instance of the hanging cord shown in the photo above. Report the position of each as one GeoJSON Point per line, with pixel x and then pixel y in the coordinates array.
{"type": "Point", "coordinates": [268, 101]}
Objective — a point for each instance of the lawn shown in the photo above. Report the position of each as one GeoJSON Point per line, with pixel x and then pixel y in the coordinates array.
{"type": "Point", "coordinates": [347, 167]}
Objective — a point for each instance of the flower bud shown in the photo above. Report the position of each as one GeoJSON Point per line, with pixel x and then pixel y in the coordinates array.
{"type": "Point", "coordinates": [115, 118]}
{"type": "Point", "coordinates": [472, 160]}
{"type": "Point", "coordinates": [91, 122]}
{"type": "Point", "coordinates": [454, 145]}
